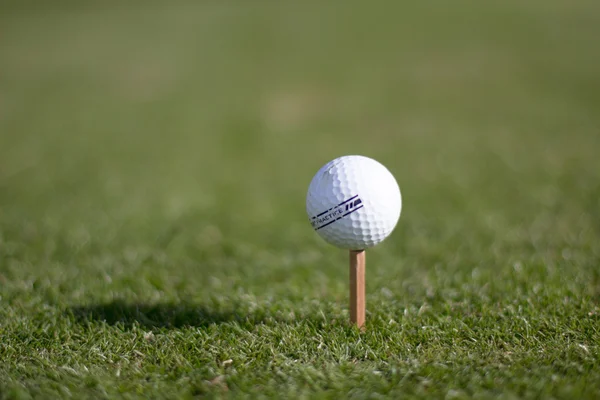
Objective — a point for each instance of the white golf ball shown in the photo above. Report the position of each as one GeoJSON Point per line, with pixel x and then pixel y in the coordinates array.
{"type": "Point", "coordinates": [353, 202]}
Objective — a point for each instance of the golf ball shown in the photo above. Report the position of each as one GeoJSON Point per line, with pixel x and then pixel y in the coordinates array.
{"type": "Point", "coordinates": [353, 202]}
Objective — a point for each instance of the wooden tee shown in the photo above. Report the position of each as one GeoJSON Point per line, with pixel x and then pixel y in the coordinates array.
{"type": "Point", "coordinates": [357, 287]}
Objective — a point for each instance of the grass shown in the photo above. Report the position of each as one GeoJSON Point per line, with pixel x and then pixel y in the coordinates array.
{"type": "Point", "coordinates": [154, 160]}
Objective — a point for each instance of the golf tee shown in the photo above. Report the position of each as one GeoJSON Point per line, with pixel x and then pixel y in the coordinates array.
{"type": "Point", "coordinates": [357, 287]}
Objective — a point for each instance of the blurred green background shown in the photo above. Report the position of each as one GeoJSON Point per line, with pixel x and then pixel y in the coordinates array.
{"type": "Point", "coordinates": [155, 156]}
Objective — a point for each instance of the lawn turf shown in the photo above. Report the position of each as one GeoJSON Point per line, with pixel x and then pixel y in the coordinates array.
{"type": "Point", "coordinates": [154, 160]}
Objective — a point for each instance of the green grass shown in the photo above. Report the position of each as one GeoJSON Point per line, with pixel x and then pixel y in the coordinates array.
{"type": "Point", "coordinates": [154, 160]}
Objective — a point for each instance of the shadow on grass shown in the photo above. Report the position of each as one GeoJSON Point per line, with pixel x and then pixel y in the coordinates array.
{"type": "Point", "coordinates": [161, 315]}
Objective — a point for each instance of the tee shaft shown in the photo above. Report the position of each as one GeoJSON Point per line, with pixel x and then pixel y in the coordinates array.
{"type": "Point", "coordinates": [357, 287]}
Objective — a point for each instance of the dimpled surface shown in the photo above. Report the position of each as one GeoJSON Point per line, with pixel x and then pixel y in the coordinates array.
{"type": "Point", "coordinates": [353, 202]}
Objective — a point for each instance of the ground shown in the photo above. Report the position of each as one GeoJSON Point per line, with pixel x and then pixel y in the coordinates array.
{"type": "Point", "coordinates": [154, 160]}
